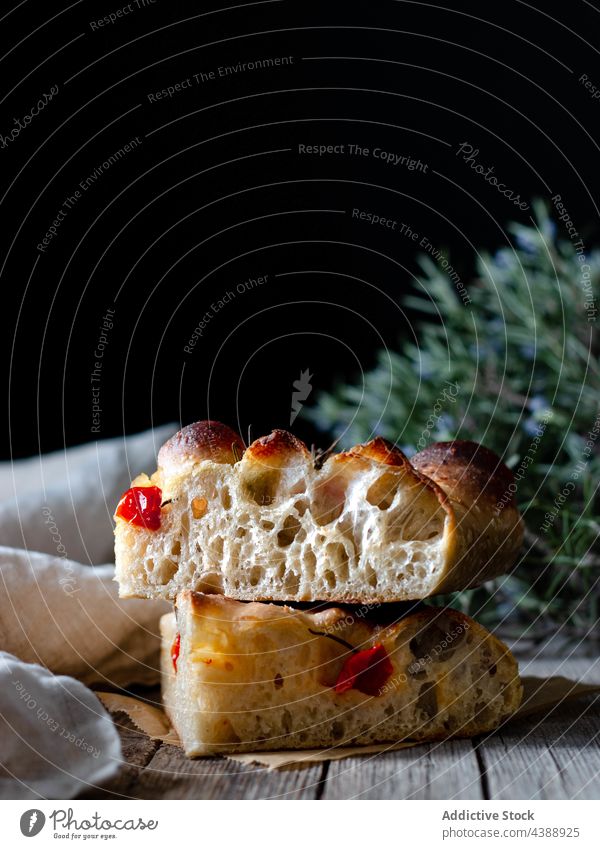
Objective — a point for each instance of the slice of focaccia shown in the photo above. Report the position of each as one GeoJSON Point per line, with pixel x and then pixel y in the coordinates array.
{"type": "Point", "coordinates": [268, 523]}
{"type": "Point", "coordinates": [244, 676]}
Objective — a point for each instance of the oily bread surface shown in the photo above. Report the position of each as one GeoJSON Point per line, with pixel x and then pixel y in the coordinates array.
{"type": "Point", "coordinates": [254, 676]}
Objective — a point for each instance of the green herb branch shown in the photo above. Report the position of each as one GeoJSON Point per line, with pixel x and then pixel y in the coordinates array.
{"type": "Point", "coordinates": [522, 360]}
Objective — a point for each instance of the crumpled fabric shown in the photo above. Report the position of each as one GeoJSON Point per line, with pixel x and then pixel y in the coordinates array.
{"type": "Point", "coordinates": [62, 624]}
{"type": "Point", "coordinates": [57, 739]}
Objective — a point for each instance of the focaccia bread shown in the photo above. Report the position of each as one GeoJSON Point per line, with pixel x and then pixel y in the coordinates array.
{"type": "Point", "coordinates": [270, 523]}
{"type": "Point", "coordinates": [246, 676]}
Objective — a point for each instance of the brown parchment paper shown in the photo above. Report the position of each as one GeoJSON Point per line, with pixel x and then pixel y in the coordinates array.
{"type": "Point", "coordinates": [540, 696]}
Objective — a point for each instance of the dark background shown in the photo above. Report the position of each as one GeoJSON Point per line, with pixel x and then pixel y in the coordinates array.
{"type": "Point", "coordinates": [217, 193]}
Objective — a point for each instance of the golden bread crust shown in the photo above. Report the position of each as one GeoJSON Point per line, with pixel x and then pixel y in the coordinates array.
{"type": "Point", "coordinates": [466, 470]}
{"type": "Point", "coordinates": [205, 440]}
{"type": "Point", "coordinates": [277, 448]}
{"type": "Point", "coordinates": [483, 539]}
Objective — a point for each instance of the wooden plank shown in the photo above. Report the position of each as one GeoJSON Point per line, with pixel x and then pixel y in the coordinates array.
{"type": "Point", "coordinates": [433, 771]}
{"type": "Point", "coordinates": [138, 750]}
{"type": "Point", "coordinates": [553, 757]}
{"type": "Point", "coordinates": [170, 775]}
{"type": "Point", "coordinates": [557, 757]}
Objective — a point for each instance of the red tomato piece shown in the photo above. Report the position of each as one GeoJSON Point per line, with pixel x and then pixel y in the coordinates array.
{"type": "Point", "coordinates": [175, 649]}
{"type": "Point", "coordinates": [366, 671]}
{"type": "Point", "coordinates": [140, 506]}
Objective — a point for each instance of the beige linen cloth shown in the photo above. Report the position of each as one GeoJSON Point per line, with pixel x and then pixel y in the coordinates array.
{"type": "Point", "coordinates": [61, 618]}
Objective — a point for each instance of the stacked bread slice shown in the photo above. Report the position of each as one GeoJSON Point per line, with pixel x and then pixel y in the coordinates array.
{"type": "Point", "coordinates": [298, 584]}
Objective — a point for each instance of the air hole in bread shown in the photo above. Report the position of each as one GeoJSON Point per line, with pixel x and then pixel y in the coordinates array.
{"type": "Point", "coordinates": [225, 498]}
{"type": "Point", "coordinates": [336, 555]}
{"type": "Point", "coordinates": [261, 487]}
{"type": "Point", "coordinates": [381, 493]}
{"type": "Point", "coordinates": [286, 721]}
{"type": "Point", "coordinates": [371, 575]}
{"type": "Point", "coordinates": [337, 730]}
{"type": "Point", "coordinates": [424, 642]}
{"type": "Point", "coordinates": [267, 526]}
{"type": "Point", "coordinates": [185, 524]}
{"type": "Point", "coordinates": [149, 565]}
{"type": "Point", "coordinates": [301, 535]}
{"type": "Point", "coordinates": [415, 528]}
{"type": "Point", "coordinates": [481, 711]}
{"type": "Point", "coordinates": [216, 548]}
{"type": "Point", "coordinates": [256, 574]}
{"type": "Point", "coordinates": [346, 527]}
{"type": "Point", "coordinates": [289, 529]}
{"type": "Point", "coordinates": [329, 500]}
{"type": "Point", "coordinates": [414, 520]}
{"type": "Point", "coordinates": [401, 558]}
{"type": "Point", "coordinates": [199, 507]}
{"type": "Point", "coordinates": [419, 524]}
{"type": "Point", "coordinates": [298, 488]}
{"type": "Point", "coordinates": [301, 507]}
{"type": "Point", "coordinates": [165, 571]}
{"type": "Point", "coordinates": [240, 533]}
{"type": "Point", "coordinates": [427, 701]}
{"type": "Point", "coordinates": [292, 583]}
{"type": "Point", "coordinates": [330, 578]}
{"type": "Point", "coordinates": [176, 548]}
{"type": "Point", "coordinates": [437, 642]}
{"type": "Point", "coordinates": [309, 562]}
{"type": "Point", "coordinates": [211, 584]}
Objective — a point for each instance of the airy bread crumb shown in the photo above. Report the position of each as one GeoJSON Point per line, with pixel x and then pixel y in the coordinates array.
{"type": "Point", "coordinates": [367, 526]}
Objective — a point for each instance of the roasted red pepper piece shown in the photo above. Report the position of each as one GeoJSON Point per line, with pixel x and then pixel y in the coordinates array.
{"type": "Point", "coordinates": [366, 671]}
{"type": "Point", "coordinates": [175, 649]}
{"type": "Point", "coordinates": [140, 506]}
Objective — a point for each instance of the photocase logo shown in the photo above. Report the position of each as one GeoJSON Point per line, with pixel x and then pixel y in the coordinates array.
{"type": "Point", "coordinates": [303, 389]}
{"type": "Point", "coordinates": [32, 822]}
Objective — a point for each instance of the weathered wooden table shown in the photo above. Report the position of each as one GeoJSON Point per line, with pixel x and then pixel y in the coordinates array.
{"type": "Point", "coordinates": [555, 757]}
